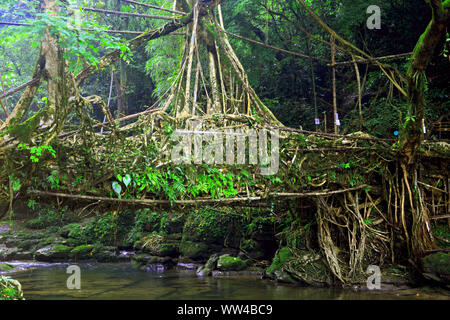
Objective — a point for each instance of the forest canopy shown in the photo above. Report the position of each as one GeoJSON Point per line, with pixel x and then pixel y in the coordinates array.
{"type": "Point", "coordinates": [283, 81]}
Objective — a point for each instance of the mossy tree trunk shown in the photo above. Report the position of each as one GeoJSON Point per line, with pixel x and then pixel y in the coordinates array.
{"type": "Point", "coordinates": [412, 134]}
{"type": "Point", "coordinates": [422, 55]}
{"type": "Point", "coordinates": [56, 75]}
{"type": "Point", "coordinates": [51, 67]}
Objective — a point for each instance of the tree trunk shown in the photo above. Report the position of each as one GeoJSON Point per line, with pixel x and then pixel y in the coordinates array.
{"type": "Point", "coordinates": [412, 135]}
{"type": "Point", "coordinates": [423, 52]}
{"type": "Point", "coordinates": [56, 74]}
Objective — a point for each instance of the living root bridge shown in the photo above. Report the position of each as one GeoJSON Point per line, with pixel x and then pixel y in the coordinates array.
{"type": "Point", "coordinates": [274, 196]}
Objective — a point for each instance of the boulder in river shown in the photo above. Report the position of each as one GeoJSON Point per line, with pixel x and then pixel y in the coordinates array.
{"type": "Point", "coordinates": [82, 252]}
{"type": "Point", "coordinates": [306, 267]}
{"type": "Point", "coordinates": [229, 263]}
{"type": "Point", "coordinates": [159, 245]}
{"type": "Point", "coordinates": [437, 267]}
{"type": "Point", "coordinates": [199, 251]}
{"type": "Point", "coordinates": [209, 266]}
{"type": "Point", "coordinates": [53, 253]}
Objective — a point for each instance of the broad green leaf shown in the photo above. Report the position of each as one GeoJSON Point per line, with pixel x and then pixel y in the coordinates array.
{"type": "Point", "coordinates": [126, 180]}
{"type": "Point", "coordinates": [117, 188]}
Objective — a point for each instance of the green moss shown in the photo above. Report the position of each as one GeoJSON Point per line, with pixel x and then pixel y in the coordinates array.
{"type": "Point", "coordinates": [34, 224]}
{"type": "Point", "coordinates": [82, 252]}
{"type": "Point", "coordinates": [437, 263]}
{"type": "Point", "coordinates": [194, 250]}
{"type": "Point", "coordinates": [158, 245]}
{"type": "Point", "coordinates": [279, 260]}
{"type": "Point", "coordinates": [46, 241]}
{"type": "Point", "coordinates": [23, 131]}
{"type": "Point", "coordinates": [228, 263]}
{"type": "Point", "coordinates": [61, 249]}
{"type": "Point", "coordinates": [6, 267]}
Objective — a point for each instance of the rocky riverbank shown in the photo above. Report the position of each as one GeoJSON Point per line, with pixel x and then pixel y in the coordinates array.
{"type": "Point", "coordinates": [211, 241]}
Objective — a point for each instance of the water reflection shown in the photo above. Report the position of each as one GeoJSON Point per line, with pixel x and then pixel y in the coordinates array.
{"type": "Point", "coordinates": [122, 281]}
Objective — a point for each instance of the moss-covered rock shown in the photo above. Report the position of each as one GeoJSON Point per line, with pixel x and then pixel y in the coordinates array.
{"type": "Point", "coordinates": [53, 253]}
{"type": "Point", "coordinates": [7, 254]}
{"type": "Point", "coordinates": [437, 267]}
{"type": "Point", "coordinates": [229, 263]}
{"type": "Point", "coordinates": [139, 259]}
{"type": "Point", "coordinates": [61, 249]}
{"type": "Point", "coordinates": [396, 276]}
{"type": "Point", "coordinates": [151, 263]}
{"type": "Point", "coordinates": [252, 249]}
{"type": "Point", "coordinates": [209, 266]}
{"type": "Point", "coordinates": [47, 240]}
{"type": "Point", "coordinates": [279, 260]}
{"type": "Point", "coordinates": [105, 254]}
{"type": "Point", "coordinates": [197, 250]}
{"type": "Point", "coordinates": [25, 255]}
{"type": "Point", "coordinates": [82, 252]}
{"type": "Point", "coordinates": [310, 268]}
{"type": "Point", "coordinates": [27, 244]}
{"type": "Point", "coordinates": [34, 224]}
{"type": "Point", "coordinates": [307, 267]}
{"type": "Point", "coordinates": [276, 269]}
{"type": "Point", "coordinates": [6, 267]}
{"type": "Point", "coordinates": [158, 245]}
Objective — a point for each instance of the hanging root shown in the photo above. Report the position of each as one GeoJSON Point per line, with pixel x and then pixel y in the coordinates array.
{"type": "Point", "coordinates": [421, 239]}
{"type": "Point", "coordinates": [348, 238]}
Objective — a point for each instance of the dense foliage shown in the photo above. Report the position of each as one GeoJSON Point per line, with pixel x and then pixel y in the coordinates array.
{"type": "Point", "coordinates": [282, 80]}
{"type": "Point", "coordinates": [58, 150]}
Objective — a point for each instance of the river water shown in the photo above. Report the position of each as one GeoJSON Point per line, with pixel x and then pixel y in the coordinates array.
{"type": "Point", "coordinates": [121, 281]}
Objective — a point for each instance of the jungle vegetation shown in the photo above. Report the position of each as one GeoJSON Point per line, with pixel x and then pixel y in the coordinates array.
{"type": "Point", "coordinates": [362, 112]}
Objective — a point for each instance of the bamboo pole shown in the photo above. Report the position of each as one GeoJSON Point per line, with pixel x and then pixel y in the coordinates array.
{"type": "Point", "coordinates": [155, 7]}
{"type": "Point", "coordinates": [190, 60]}
{"type": "Point", "coordinates": [301, 55]}
{"type": "Point", "coordinates": [313, 83]}
{"type": "Point", "coordinates": [222, 84]}
{"type": "Point", "coordinates": [131, 14]}
{"type": "Point", "coordinates": [333, 71]}
{"type": "Point", "coordinates": [348, 44]}
{"type": "Point", "coordinates": [221, 201]}
{"type": "Point", "coordinates": [109, 98]}
{"type": "Point", "coordinates": [373, 60]}
{"type": "Point", "coordinates": [358, 79]}
{"type": "Point", "coordinates": [329, 135]}
{"type": "Point", "coordinates": [197, 78]}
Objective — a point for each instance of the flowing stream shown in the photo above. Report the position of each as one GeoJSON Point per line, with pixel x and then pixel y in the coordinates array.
{"type": "Point", "coordinates": [121, 281]}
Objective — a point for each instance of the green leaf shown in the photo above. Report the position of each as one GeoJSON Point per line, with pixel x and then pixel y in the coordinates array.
{"type": "Point", "coordinates": [15, 183]}
{"type": "Point", "coordinates": [117, 188]}
{"type": "Point", "coordinates": [126, 180]}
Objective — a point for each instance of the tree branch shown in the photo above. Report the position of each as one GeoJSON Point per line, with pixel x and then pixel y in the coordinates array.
{"type": "Point", "coordinates": [169, 27]}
